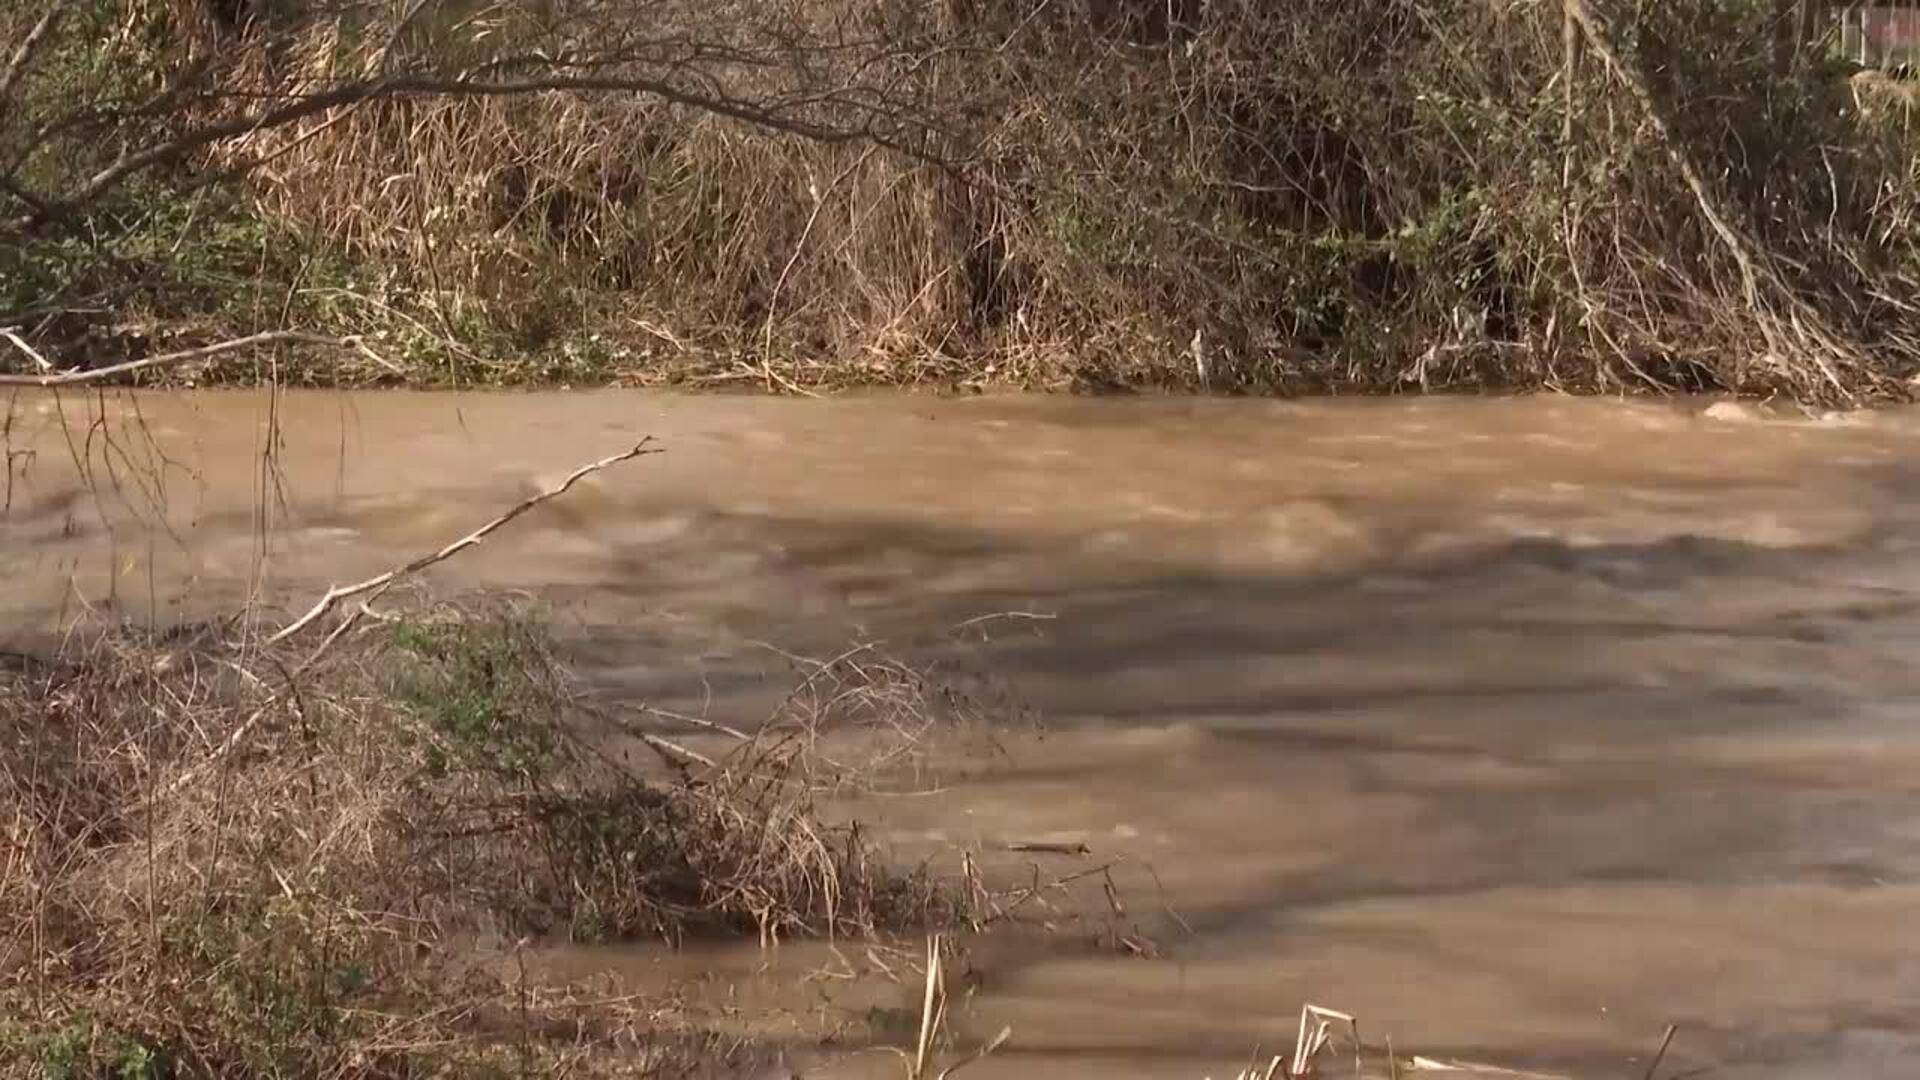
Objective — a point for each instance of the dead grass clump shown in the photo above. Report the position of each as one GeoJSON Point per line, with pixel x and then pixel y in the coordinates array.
{"type": "Point", "coordinates": [220, 862]}
{"type": "Point", "coordinates": [610, 236]}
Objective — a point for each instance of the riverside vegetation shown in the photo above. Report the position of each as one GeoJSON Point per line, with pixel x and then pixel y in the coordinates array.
{"type": "Point", "coordinates": [224, 855]}
{"type": "Point", "coordinates": [225, 858]}
{"type": "Point", "coordinates": [1236, 197]}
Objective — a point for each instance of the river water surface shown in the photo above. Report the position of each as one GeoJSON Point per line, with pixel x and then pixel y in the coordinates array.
{"type": "Point", "coordinates": [1519, 728]}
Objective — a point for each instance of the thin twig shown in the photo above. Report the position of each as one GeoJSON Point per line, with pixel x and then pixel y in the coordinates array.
{"type": "Point", "coordinates": [20, 343]}
{"type": "Point", "coordinates": [1570, 42]}
{"type": "Point", "coordinates": [995, 616]}
{"type": "Point", "coordinates": [782, 116]}
{"type": "Point", "coordinates": [799, 247]}
{"type": "Point", "coordinates": [672, 750]}
{"type": "Point", "coordinates": [694, 721]}
{"type": "Point", "coordinates": [341, 592]}
{"type": "Point", "coordinates": [1760, 276]}
{"type": "Point", "coordinates": [989, 1047]}
{"type": "Point", "coordinates": [226, 747]}
{"type": "Point", "coordinates": [675, 754]}
{"type": "Point", "coordinates": [17, 63]}
{"type": "Point", "coordinates": [931, 1009]}
{"type": "Point", "coordinates": [1711, 208]}
{"type": "Point", "coordinates": [94, 375]}
{"type": "Point", "coordinates": [1666, 1041]}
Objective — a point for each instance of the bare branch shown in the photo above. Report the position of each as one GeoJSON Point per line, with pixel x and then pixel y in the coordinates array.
{"type": "Point", "coordinates": [94, 375]}
{"type": "Point", "coordinates": [39, 205]}
{"type": "Point", "coordinates": [1760, 278]}
{"type": "Point", "coordinates": [17, 63]}
{"type": "Point", "coordinates": [1711, 208]}
{"type": "Point", "coordinates": [20, 343]}
{"type": "Point", "coordinates": [381, 581]}
{"type": "Point", "coordinates": [777, 115]}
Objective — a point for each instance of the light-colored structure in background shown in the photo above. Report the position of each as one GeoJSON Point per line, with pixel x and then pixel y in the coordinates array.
{"type": "Point", "coordinates": [1885, 34]}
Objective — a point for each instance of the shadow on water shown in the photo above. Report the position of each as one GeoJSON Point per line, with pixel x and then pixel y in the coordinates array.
{"type": "Point", "coordinates": [1748, 633]}
{"type": "Point", "coordinates": [1649, 729]}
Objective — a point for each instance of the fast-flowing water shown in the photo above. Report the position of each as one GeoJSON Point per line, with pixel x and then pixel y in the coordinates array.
{"type": "Point", "coordinates": [1518, 728]}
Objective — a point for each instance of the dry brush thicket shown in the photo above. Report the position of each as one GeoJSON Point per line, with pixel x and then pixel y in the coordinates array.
{"type": "Point", "coordinates": [1230, 195]}
{"type": "Point", "coordinates": [225, 858]}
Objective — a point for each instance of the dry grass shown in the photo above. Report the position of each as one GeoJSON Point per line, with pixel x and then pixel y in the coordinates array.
{"type": "Point", "coordinates": [1385, 197]}
{"type": "Point", "coordinates": [217, 867]}
{"type": "Point", "coordinates": [832, 264]}
{"type": "Point", "coordinates": [1237, 197]}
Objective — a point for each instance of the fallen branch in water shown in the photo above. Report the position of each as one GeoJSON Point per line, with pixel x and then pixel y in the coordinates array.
{"type": "Point", "coordinates": [1666, 1041]}
{"type": "Point", "coordinates": [675, 754]}
{"type": "Point", "coordinates": [379, 583]}
{"type": "Point", "coordinates": [672, 752]}
{"type": "Point", "coordinates": [1044, 847]}
{"type": "Point", "coordinates": [692, 721]}
{"type": "Point", "coordinates": [82, 376]}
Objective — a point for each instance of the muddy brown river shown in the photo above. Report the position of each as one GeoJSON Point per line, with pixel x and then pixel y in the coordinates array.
{"type": "Point", "coordinates": [1518, 728]}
